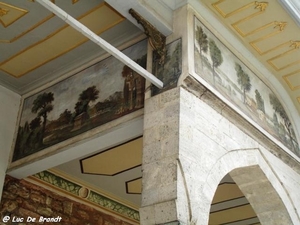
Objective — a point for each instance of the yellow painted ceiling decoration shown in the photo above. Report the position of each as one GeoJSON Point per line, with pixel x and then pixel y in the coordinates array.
{"type": "Point", "coordinates": [27, 31]}
{"type": "Point", "coordinates": [9, 14]}
{"type": "Point", "coordinates": [230, 206]}
{"type": "Point", "coordinates": [270, 33]}
{"type": "Point", "coordinates": [59, 42]}
{"type": "Point", "coordinates": [116, 160]}
{"type": "Point", "coordinates": [134, 186]}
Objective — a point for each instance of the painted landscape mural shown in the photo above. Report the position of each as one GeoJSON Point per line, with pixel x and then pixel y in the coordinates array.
{"type": "Point", "coordinates": [96, 95]}
{"type": "Point", "coordinates": [234, 80]}
{"type": "Point", "coordinates": [169, 71]}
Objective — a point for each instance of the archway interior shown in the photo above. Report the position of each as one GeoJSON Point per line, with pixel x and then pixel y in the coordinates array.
{"type": "Point", "coordinates": [230, 206]}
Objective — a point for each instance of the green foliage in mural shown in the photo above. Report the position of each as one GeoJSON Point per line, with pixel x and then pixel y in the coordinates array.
{"type": "Point", "coordinates": [170, 70]}
{"type": "Point", "coordinates": [243, 80]}
{"type": "Point", "coordinates": [74, 105]}
{"type": "Point", "coordinates": [86, 96]}
{"type": "Point", "coordinates": [202, 40]}
{"type": "Point", "coordinates": [278, 108]}
{"type": "Point", "coordinates": [42, 105]}
{"type": "Point", "coordinates": [216, 56]}
{"type": "Point", "coordinates": [259, 101]}
{"type": "Point", "coordinates": [235, 81]}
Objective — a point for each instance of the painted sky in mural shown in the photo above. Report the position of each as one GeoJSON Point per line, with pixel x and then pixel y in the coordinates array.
{"type": "Point", "coordinates": [234, 80]}
{"type": "Point", "coordinates": [98, 94]}
{"type": "Point", "coordinates": [99, 75]}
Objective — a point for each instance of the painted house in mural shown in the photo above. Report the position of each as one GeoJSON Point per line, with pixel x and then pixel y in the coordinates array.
{"type": "Point", "coordinates": [108, 90]}
{"type": "Point", "coordinates": [228, 75]}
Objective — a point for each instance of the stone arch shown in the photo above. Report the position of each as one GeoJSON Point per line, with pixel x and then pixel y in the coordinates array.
{"type": "Point", "coordinates": [256, 179]}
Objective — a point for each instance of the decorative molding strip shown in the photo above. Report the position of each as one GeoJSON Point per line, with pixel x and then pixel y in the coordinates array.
{"type": "Point", "coordinates": [281, 26]}
{"type": "Point", "coordinates": [258, 5]}
{"type": "Point", "coordinates": [91, 196]}
{"type": "Point", "coordinates": [30, 29]}
{"type": "Point", "coordinates": [271, 49]}
{"type": "Point", "coordinates": [27, 31]}
{"type": "Point", "coordinates": [14, 12]}
{"type": "Point", "coordinates": [7, 65]}
{"type": "Point", "coordinates": [226, 15]}
{"type": "Point", "coordinates": [156, 39]}
{"type": "Point", "coordinates": [289, 83]}
{"type": "Point", "coordinates": [295, 46]}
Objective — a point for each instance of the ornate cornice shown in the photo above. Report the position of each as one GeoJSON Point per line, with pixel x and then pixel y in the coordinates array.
{"type": "Point", "coordinates": [157, 40]}
{"type": "Point", "coordinates": [74, 189]}
{"type": "Point", "coordinates": [261, 5]}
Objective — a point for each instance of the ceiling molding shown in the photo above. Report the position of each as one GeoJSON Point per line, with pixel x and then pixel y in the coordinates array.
{"type": "Point", "coordinates": [59, 42]}
{"type": "Point", "coordinates": [10, 14]}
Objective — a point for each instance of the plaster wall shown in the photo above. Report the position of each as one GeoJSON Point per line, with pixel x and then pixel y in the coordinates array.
{"type": "Point", "coordinates": [10, 103]}
{"type": "Point", "coordinates": [191, 141]}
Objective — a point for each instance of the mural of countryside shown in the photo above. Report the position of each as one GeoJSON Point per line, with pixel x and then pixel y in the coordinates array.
{"type": "Point", "coordinates": [96, 95]}
{"type": "Point", "coordinates": [222, 69]}
{"type": "Point", "coordinates": [168, 71]}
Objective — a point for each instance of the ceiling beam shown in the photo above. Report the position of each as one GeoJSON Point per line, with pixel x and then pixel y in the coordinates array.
{"type": "Point", "coordinates": [100, 42]}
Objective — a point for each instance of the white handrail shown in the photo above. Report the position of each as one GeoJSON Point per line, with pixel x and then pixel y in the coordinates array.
{"type": "Point", "coordinates": [99, 41]}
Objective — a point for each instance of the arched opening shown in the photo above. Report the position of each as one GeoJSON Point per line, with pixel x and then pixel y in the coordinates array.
{"type": "Point", "coordinates": [230, 206]}
{"type": "Point", "coordinates": [245, 196]}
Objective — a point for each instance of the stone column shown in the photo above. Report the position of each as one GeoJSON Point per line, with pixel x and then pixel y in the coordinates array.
{"type": "Point", "coordinates": [160, 154]}
{"type": "Point", "coordinates": [10, 103]}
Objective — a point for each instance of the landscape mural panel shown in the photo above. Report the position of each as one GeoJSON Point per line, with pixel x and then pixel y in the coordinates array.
{"type": "Point", "coordinates": [215, 63]}
{"type": "Point", "coordinates": [170, 70]}
{"type": "Point", "coordinates": [96, 95]}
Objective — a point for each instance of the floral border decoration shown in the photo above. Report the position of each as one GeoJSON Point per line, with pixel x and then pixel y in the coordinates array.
{"type": "Point", "coordinates": [87, 194]}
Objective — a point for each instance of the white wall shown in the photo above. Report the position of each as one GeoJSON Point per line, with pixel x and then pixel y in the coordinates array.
{"type": "Point", "coordinates": [9, 108]}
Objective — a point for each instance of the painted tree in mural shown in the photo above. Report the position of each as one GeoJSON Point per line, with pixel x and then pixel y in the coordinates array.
{"type": "Point", "coordinates": [42, 105]}
{"type": "Point", "coordinates": [201, 38]}
{"type": "Point", "coordinates": [259, 101]}
{"type": "Point", "coordinates": [35, 123]}
{"type": "Point", "coordinates": [175, 59]}
{"type": "Point", "coordinates": [216, 56]}
{"type": "Point", "coordinates": [243, 80]}
{"type": "Point", "coordinates": [88, 95]}
{"type": "Point", "coordinates": [278, 108]}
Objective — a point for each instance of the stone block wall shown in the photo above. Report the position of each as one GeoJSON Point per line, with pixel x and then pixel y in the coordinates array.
{"type": "Point", "coordinates": [191, 141]}
{"type": "Point", "coordinates": [22, 199]}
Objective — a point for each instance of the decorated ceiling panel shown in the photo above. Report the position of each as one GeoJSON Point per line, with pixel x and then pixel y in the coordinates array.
{"type": "Point", "coordinates": [37, 47]}
{"type": "Point", "coordinates": [58, 42]}
{"type": "Point", "coordinates": [270, 33]}
{"type": "Point", "coordinates": [9, 14]}
{"type": "Point", "coordinates": [116, 160]}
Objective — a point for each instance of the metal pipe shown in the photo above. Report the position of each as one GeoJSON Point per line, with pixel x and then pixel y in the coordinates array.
{"type": "Point", "coordinates": [99, 41]}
